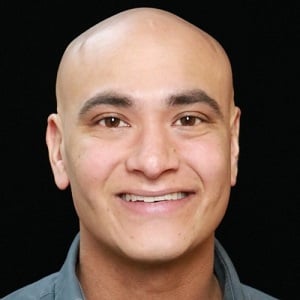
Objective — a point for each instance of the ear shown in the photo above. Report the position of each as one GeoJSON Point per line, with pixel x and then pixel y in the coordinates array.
{"type": "Point", "coordinates": [54, 141]}
{"type": "Point", "coordinates": [235, 149]}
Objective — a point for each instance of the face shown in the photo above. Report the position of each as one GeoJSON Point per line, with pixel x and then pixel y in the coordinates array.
{"type": "Point", "coordinates": [147, 139]}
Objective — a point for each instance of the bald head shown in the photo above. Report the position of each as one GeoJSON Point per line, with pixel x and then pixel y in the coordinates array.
{"type": "Point", "coordinates": [141, 41]}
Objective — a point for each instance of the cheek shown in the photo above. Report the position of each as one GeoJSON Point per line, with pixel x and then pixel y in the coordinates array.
{"type": "Point", "coordinates": [210, 159]}
{"type": "Point", "coordinates": [90, 164]}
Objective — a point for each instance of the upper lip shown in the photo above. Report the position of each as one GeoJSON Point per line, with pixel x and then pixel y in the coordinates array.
{"type": "Point", "coordinates": [157, 193]}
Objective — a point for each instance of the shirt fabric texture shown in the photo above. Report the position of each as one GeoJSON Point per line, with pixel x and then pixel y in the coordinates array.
{"type": "Point", "coordinates": [64, 284]}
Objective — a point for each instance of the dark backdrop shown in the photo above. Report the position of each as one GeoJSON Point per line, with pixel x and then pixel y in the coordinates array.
{"type": "Point", "coordinates": [261, 228]}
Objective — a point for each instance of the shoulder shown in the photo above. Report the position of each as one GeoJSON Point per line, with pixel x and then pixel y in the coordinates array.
{"type": "Point", "coordinates": [43, 289]}
{"type": "Point", "coordinates": [229, 279]}
{"type": "Point", "coordinates": [59, 285]}
{"type": "Point", "coordinates": [254, 294]}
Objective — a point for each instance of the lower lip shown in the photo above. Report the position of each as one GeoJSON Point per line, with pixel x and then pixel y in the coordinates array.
{"type": "Point", "coordinates": [155, 208]}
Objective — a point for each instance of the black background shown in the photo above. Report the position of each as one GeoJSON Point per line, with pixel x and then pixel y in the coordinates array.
{"type": "Point", "coordinates": [261, 228]}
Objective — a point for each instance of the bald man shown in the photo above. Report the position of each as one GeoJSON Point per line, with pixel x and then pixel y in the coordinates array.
{"type": "Point", "coordinates": [146, 136]}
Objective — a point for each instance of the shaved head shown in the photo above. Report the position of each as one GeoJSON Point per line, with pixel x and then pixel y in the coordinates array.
{"type": "Point", "coordinates": [141, 35]}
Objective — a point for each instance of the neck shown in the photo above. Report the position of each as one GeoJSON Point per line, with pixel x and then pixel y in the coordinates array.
{"type": "Point", "coordinates": [104, 275]}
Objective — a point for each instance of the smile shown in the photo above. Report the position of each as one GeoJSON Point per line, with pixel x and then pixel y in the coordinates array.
{"type": "Point", "coordinates": [150, 199]}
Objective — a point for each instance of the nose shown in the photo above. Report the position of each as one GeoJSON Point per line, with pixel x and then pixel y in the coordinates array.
{"type": "Point", "coordinates": [153, 154]}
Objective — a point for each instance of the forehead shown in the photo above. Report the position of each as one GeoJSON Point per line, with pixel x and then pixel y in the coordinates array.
{"type": "Point", "coordinates": [148, 59]}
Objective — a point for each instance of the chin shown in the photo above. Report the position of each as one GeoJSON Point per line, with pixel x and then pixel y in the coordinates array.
{"type": "Point", "coordinates": [155, 256]}
{"type": "Point", "coordinates": [156, 248]}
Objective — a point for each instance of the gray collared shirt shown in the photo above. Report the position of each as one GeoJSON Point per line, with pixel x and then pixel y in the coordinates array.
{"type": "Point", "coordinates": [64, 285]}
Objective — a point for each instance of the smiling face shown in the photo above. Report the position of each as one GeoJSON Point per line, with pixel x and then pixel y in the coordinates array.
{"type": "Point", "coordinates": [146, 135]}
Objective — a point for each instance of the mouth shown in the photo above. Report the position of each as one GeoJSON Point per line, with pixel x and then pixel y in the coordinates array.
{"type": "Point", "coordinates": [152, 199]}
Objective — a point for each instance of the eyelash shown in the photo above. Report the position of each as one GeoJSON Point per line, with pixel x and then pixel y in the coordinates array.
{"type": "Point", "coordinates": [195, 120]}
{"type": "Point", "coordinates": [185, 120]}
{"type": "Point", "coordinates": [110, 120]}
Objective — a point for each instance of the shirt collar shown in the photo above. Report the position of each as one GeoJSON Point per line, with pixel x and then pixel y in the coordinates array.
{"type": "Point", "coordinates": [227, 275]}
{"type": "Point", "coordinates": [68, 286]}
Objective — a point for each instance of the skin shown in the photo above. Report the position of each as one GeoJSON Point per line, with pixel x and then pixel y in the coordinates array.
{"type": "Point", "coordinates": [145, 107]}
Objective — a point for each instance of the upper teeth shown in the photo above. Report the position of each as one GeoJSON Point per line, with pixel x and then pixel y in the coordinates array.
{"type": "Point", "coordinates": [172, 196]}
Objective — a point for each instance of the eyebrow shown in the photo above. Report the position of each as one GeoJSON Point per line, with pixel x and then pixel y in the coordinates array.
{"type": "Point", "coordinates": [182, 98]}
{"type": "Point", "coordinates": [107, 98]}
{"type": "Point", "coordinates": [195, 96]}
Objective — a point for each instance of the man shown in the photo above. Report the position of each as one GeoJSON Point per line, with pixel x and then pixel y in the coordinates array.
{"type": "Point", "coordinates": [146, 135]}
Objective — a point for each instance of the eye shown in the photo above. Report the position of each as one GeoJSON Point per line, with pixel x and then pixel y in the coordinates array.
{"type": "Point", "coordinates": [188, 120]}
{"type": "Point", "coordinates": [112, 122]}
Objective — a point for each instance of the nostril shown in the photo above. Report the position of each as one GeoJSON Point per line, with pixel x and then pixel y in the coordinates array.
{"type": "Point", "coordinates": [153, 156]}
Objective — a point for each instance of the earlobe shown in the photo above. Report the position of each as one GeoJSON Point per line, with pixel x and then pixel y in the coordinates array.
{"type": "Point", "coordinates": [54, 140]}
{"type": "Point", "coordinates": [235, 149]}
